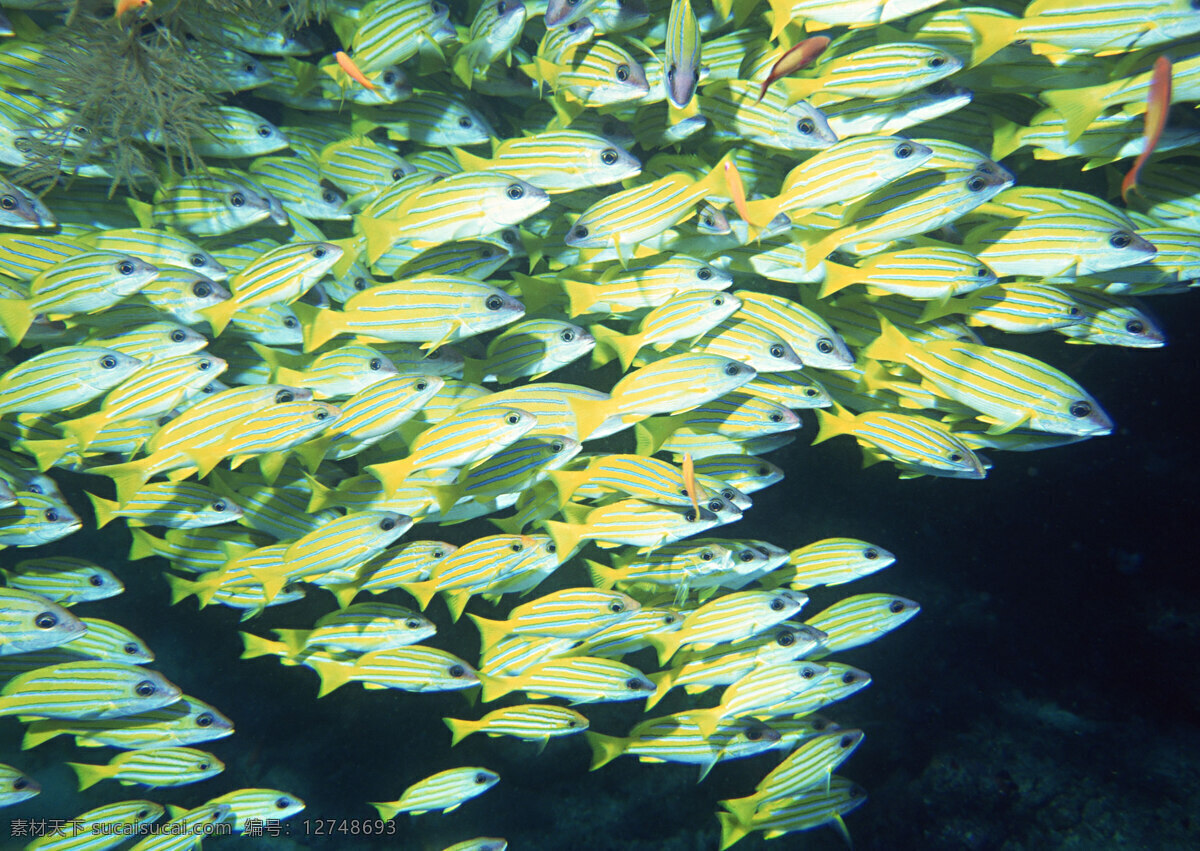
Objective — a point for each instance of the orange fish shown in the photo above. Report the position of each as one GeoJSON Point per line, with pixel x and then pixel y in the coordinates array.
{"type": "Point", "coordinates": [796, 58]}
{"type": "Point", "coordinates": [733, 178]}
{"type": "Point", "coordinates": [689, 481]}
{"type": "Point", "coordinates": [120, 7]}
{"type": "Point", "coordinates": [350, 68]}
{"type": "Point", "coordinates": [1158, 104]}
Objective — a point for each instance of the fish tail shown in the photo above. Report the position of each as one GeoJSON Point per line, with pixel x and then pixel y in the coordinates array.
{"type": "Point", "coordinates": [321, 497]}
{"type": "Point", "coordinates": [589, 415]}
{"type": "Point", "coordinates": [759, 213]}
{"type": "Point", "coordinates": [837, 278]}
{"type": "Point", "coordinates": [48, 452]}
{"type": "Point", "coordinates": [422, 592]}
{"type": "Point", "coordinates": [707, 720]}
{"type": "Point", "coordinates": [474, 369]}
{"type": "Point", "coordinates": [293, 640]}
{"type": "Point", "coordinates": [90, 775]}
{"type": "Point", "coordinates": [1007, 136]}
{"type": "Point", "coordinates": [312, 451]}
{"type": "Point", "coordinates": [219, 314]}
{"type": "Point", "coordinates": [493, 687]}
{"type": "Point", "coordinates": [889, 345]}
{"type": "Point", "coordinates": [333, 675]}
{"type": "Point", "coordinates": [626, 346]}
{"type": "Point", "coordinates": [456, 602]}
{"type": "Point", "coordinates": [143, 211]}
{"type": "Point", "coordinates": [991, 34]}
{"type": "Point", "coordinates": [781, 16]}
{"type": "Point", "coordinates": [566, 482]}
{"type": "Point", "coordinates": [320, 324]}
{"type": "Point", "coordinates": [490, 631]}
{"type": "Point", "coordinates": [666, 644]}
{"type": "Point", "coordinates": [35, 735]}
{"type": "Point", "coordinates": [604, 748]}
{"type": "Point", "coordinates": [832, 424]}
{"type": "Point", "coordinates": [106, 509]}
{"type": "Point", "coordinates": [732, 830]}
{"type": "Point", "coordinates": [181, 588]}
{"type": "Point", "coordinates": [651, 434]}
{"type": "Point", "coordinates": [938, 308]}
{"type": "Point", "coordinates": [128, 478]}
{"type": "Point", "coordinates": [469, 161]}
{"type": "Point", "coordinates": [392, 474]}
{"type": "Point", "coordinates": [379, 234]}
{"type": "Point", "coordinates": [16, 315]}
{"type": "Point", "coordinates": [581, 295]}
{"type": "Point", "coordinates": [256, 645]}
{"type": "Point", "coordinates": [1078, 107]}
{"type": "Point", "coordinates": [343, 592]}
{"type": "Point", "coordinates": [603, 576]}
{"type": "Point", "coordinates": [460, 728]}
{"type": "Point", "coordinates": [387, 812]}
{"type": "Point", "coordinates": [566, 536]}
{"type": "Point", "coordinates": [663, 681]}
{"type": "Point", "coordinates": [447, 496]}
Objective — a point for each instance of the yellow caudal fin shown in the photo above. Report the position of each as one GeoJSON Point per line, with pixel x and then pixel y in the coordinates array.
{"type": "Point", "coordinates": [992, 33]}
{"type": "Point", "coordinates": [293, 640]}
{"type": "Point", "coordinates": [333, 674]}
{"type": "Point", "coordinates": [941, 307]}
{"type": "Point", "coordinates": [891, 344]}
{"type": "Point", "coordinates": [604, 748]}
{"type": "Point", "coordinates": [16, 315]}
{"type": "Point", "coordinates": [831, 423]}
{"type": "Point", "coordinates": [819, 245]}
{"type": "Point", "coordinates": [490, 631]}
{"type": "Point", "coordinates": [707, 720]}
{"type": "Point", "coordinates": [343, 592]}
{"type": "Point", "coordinates": [663, 681]}
{"type": "Point", "coordinates": [48, 452]}
{"type": "Point", "coordinates": [319, 324]}
{"type": "Point", "coordinates": [128, 478]}
{"type": "Point", "coordinates": [494, 687]}
{"type": "Point", "coordinates": [181, 587]}
{"type": "Point", "coordinates": [84, 429]}
{"type": "Point", "coordinates": [761, 212]}
{"type": "Point", "coordinates": [380, 236]}
{"type": "Point", "coordinates": [1007, 136]}
{"type": "Point", "coordinates": [603, 576]}
{"type": "Point", "coordinates": [105, 509]}
{"type": "Point", "coordinates": [590, 414]}
{"type": "Point", "coordinates": [219, 314]}
{"type": "Point", "coordinates": [566, 482]}
{"type": "Point", "coordinates": [651, 434]}
{"type": "Point", "coordinates": [581, 295]}
{"type": "Point", "coordinates": [732, 830]}
{"type": "Point", "coordinates": [256, 645]}
{"type": "Point", "coordinates": [90, 775]}
{"type": "Point", "coordinates": [1078, 107]}
{"type": "Point", "coordinates": [392, 474]}
{"type": "Point", "coordinates": [460, 728]}
{"type": "Point", "coordinates": [837, 278]}
{"type": "Point", "coordinates": [566, 536]}
{"type": "Point", "coordinates": [666, 644]}
{"type": "Point", "coordinates": [626, 346]}
{"type": "Point", "coordinates": [455, 603]}
{"type": "Point", "coordinates": [142, 211]}
{"type": "Point", "coordinates": [469, 161]}
{"type": "Point", "coordinates": [422, 592]}
{"type": "Point", "coordinates": [538, 293]}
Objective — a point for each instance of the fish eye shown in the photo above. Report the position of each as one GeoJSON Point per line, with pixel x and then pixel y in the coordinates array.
{"type": "Point", "coordinates": [745, 555]}
{"type": "Point", "coordinates": [422, 384]}
{"type": "Point", "coordinates": [809, 392]}
{"type": "Point", "coordinates": [141, 814]}
{"type": "Point", "coordinates": [509, 236]}
{"type": "Point", "coordinates": [622, 72]}
{"type": "Point", "coordinates": [696, 75]}
{"type": "Point", "coordinates": [579, 232]}
{"type": "Point", "coordinates": [375, 364]}
{"type": "Point", "coordinates": [412, 623]}
{"type": "Point", "coordinates": [513, 418]}
{"type": "Point", "coordinates": [976, 184]}
{"type": "Point", "coordinates": [237, 199]}
{"type": "Point", "coordinates": [501, 7]}
{"type": "Point", "coordinates": [19, 784]}
{"type": "Point", "coordinates": [1134, 326]}
{"type": "Point", "coordinates": [457, 671]}
{"type": "Point", "coordinates": [982, 272]}
{"type": "Point", "coordinates": [130, 649]}
{"type": "Point", "coordinates": [870, 554]}
{"type": "Point", "coordinates": [95, 580]}
{"type": "Point", "coordinates": [608, 156]}
{"type": "Point", "coordinates": [329, 196]}
{"type": "Point", "coordinates": [46, 620]}
{"type": "Point", "coordinates": [807, 673]}
{"type": "Point", "coordinates": [360, 283]}
{"type": "Point", "coordinates": [290, 322]}
{"type": "Point", "coordinates": [322, 414]}
{"type": "Point", "coordinates": [203, 766]}
{"type": "Point", "coordinates": [205, 719]}
{"type": "Point", "coordinates": [551, 548]}
{"type": "Point", "coordinates": [689, 516]}
{"type": "Point", "coordinates": [668, 619]}
{"type": "Point", "coordinates": [264, 130]}
{"type": "Point", "coordinates": [438, 554]}
{"type": "Point", "coordinates": [567, 335]}
{"type": "Point", "coordinates": [633, 684]}
{"type": "Point", "coordinates": [708, 220]}
{"type": "Point", "coordinates": [776, 417]}
{"type": "Point", "coordinates": [786, 638]}
{"type": "Point", "coordinates": [319, 252]}
{"type": "Point", "coordinates": [515, 192]}
{"type": "Point", "coordinates": [145, 688]}
{"type": "Point", "coordinates": [481, 778]}
{"type": "Point", "coordinates": [8, 202]}
{"type": "Point", "coordinates": [936, 61]}
{"type": "Point", "coordinates": [806, 127]}
{"type": "Point", "coordinates": [616, 607]}
{"type": "Point", "coordinates": [1120, 239]}
{"type": "Point", "coordinates": [516, 548]}
{"type": "Point", "coordinates": [284, 396]}
{"type": "Point", "coordinates": [903, 151]}
{"type": "Point", "coordinates": [1072, 311]}
{"type": "Point", "coordinates": [204, 365]}
{"type": "Point", "coordinates": [704, 273]}
{"type": "Point", "coordinates": [715, 505]}
{"type": "Point", "coordinates": [776, 351]}
{"type": "Point", "coordinates": [707, 555]}
{"type": "Point", "coordinates": [753, 734]}
{"type": "Point", "coordinates": [895, 607]}
{"type": "Point", "coordinates": [485, 253]}
{"type": "Point", "coordinates": [557, 446]}
{"type": "Point", "coordinates": [33, 487]}
{"type": "Point", "coordinates": [177, 336]}
{"type": "Point", "coordinates": [51, 515]}
{"type": "Point", "coordinates": [849, 678]}
{"type": "Point", "coordinates": [387, 524]}
{"type": "Point", "coordinates": [465, 122]}
{"type": "Point", "coordinates": [108, 362]}
{"type": "Point", "coordinates": [389, 78]}
{"type": "Point", "coordinates": [671, 73]}
{"type": "Point", "coordinates": [200, 289]}
{"type": "Point", "coordinates": [846, 741]}
{"type": "Point", "coordinates": [125, 268]}
{"type": "Point", "coordinates": [732, 369]}
{"type": "Point", "coordinates": [397, 173]}
{"type": "Point", "coordinates": [777, 605]}
{"type": "Point", "coordinates": [954, 457]}
{"type": "Point", "coordinates": [494, 302]}
{"type": "Point", "coordinates": [1079, 410]}
{"type": "Point", "coordinates": [250, 68]}
{"type": "Point", "coordinates": [282, 803]}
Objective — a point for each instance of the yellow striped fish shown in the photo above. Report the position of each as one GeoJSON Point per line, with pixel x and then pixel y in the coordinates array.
{"type": "Point", "coordinates": [444, 792]}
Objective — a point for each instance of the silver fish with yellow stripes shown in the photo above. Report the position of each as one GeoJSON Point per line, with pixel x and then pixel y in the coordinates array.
{"type": "Point", "coordinates": [443, 792]}
{"type": "Point", "coordinates": [187, 721]}
{"type": "Point", "coordinates": [557, 161]}
{"type": "Point", "coordinates": [257, 805]}
{"type": "Point", "coordinates": [29, 621]}
{"type": "Point", "coordinates": [414, 668]}
{"type": "Point", "coordinates": [151, 767]}
{"type": "Point", "coordinates": [530, 722]}
{"type": "Point", "coordinates": [580, 679]}
{"type": "Point", "coordinates": [570, 613]}
{"type": "Point", "coordinates": [810, 809]}
{"type": "Point", "coordinates": [860, 620]}
{"type": "Point", "coordinates": [16, 786]}
{"type": "Point", "coordinates": [907, 439]}
{"type": "Point", "coordinates": [102, 827]}
{"type": "Point", "coordinates": [86, 690]}
{"type": "Point", "coordinates": [731, 619]}
{"type": "Point", "coordinates": [63, 378]}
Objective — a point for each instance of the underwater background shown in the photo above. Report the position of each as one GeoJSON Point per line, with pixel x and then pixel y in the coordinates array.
{"type": "Point", "coordinates": [1047, 696]}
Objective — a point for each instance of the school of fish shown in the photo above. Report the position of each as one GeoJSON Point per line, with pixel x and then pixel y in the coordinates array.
{"type": "Point", "coordinates": [297, 371]}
